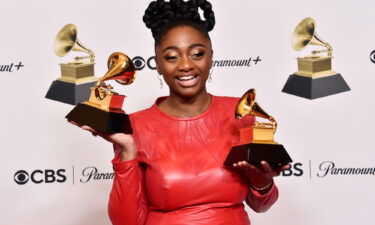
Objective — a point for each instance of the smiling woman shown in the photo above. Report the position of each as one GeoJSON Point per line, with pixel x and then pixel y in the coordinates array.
{"type": "Point", "coordinates": [170, 171]}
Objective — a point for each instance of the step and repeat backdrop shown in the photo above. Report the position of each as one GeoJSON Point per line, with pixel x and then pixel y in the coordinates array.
{"type": "Point", "coordinates": [53, 173]}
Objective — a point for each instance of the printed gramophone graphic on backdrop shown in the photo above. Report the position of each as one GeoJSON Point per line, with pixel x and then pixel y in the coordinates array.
{"type": "Point", "coordinates": [103, 111]}
{"type": "Point", "coordinates": [76, 77]}
{"type": "Point", "coordinates": [257, 141]}
{"type": "Point", "coordinates": [315, 77]}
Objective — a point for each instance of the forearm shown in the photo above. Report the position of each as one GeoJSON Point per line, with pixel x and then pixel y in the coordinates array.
{"type": "Point", "coordinates": [262, 202]}
{"type": "Point", "coordinates": [126, 153]}
{"type": "Point", "coordinates": [127, 203]}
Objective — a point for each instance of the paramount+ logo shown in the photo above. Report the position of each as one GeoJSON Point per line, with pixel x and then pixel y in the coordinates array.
{"type": "Point", "coordinates": [11, 67]}
{"type": "Point", "coordinates": [47, 176]}
{"type": "Point", "coordinates": [328, 168]}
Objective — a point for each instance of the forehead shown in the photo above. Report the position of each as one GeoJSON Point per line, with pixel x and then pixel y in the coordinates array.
{"type": "Point", "coordinates": [183, 37]}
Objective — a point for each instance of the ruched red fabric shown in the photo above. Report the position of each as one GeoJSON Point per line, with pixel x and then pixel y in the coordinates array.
{"type": "Point", "coordinates": [178, 177]}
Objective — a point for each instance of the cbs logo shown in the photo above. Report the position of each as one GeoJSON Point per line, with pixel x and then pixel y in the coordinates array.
{"type": "Point", "coordinates": [40, 176]}
{"type": "Point", "coordinates": [294, 170]}
{"type": "Point", "coordinates": [140, 63]}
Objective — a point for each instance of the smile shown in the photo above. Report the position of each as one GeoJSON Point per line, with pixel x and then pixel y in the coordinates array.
{"type": "Point", "coordinates": [186, 78]}
{"type": "Point", "coordinates": [187, 81]}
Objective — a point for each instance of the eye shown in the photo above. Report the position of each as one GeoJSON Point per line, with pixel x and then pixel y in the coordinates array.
{"type": "Point", "coordinates": [170, 58]}
{"type": "Point", "coordinates": [197, 55]}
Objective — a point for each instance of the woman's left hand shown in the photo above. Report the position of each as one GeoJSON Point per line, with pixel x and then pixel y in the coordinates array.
{"type": "Point", "coordinates": [260, 177]}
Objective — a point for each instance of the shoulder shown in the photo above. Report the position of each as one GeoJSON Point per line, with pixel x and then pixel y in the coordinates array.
{"type": "Point", "coordinates": [226, 99]}
{"type": "Point", "coordinates": [147, 120]}
{"type": "Point", "coordinates": [141, 113]}
{"type": "Point", "coordinates": [226, 102]}
{"type": "Point", "coordinates": [147, 114]}
{"type": "Point", "coordinates": [141, 118]}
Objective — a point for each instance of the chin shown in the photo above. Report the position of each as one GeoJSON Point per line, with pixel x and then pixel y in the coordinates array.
{"type": "Point", "coordinates": [190, 92]}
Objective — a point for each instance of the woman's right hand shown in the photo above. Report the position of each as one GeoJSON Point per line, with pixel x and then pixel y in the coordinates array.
{"type": "Point", "coordinates": [124, 142]}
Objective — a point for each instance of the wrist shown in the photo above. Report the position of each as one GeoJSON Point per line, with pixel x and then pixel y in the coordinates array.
{"type": "Point", "coordinates": [263, 188]}
{"type": "Point", "coordinates": [127, 153]}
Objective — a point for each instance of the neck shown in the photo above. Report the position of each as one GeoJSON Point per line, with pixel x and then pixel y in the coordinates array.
{"type": "Point", "coordinates": [182, 106]}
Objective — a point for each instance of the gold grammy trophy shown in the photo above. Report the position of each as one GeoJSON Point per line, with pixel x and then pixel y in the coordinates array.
{"type": "Point", "coordinates": [257, 141]}
{"type": "Point", "coordinates": [103, 111]}
{"type": "Point", "coordinates": [315, 77]}
{"type": "Point", "coordinates": [77, 76]}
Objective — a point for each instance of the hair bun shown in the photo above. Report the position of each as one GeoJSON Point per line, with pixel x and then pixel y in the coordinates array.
{"type": "Point", "coordinates": [160, 13]}
{"type": "Point", "coordinates": [208, 13]}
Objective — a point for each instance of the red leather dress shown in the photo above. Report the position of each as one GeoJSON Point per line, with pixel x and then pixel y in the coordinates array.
{"type": "Point", "coordinates": [179, 177]}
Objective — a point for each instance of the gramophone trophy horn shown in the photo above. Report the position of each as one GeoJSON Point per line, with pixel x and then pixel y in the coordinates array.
{"type": "Point", "coordinates": [67, 40]}
{"type": "Point", "coordinates": [315, 77]}
{"type": "Point", "coordinates": [257, 141]}
{"type": "Point", "coordinates": [121, 69]}
{"type": "Point", "coordinates": [304, 34]}
{"type": "Point", "coordinates": [103, 111]}
{"type": "Point", "coordinates": [76, 77]}
{"type": "Point", "coordinates": [248, 105]}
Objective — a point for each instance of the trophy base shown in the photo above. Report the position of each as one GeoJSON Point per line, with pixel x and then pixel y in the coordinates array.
{"type": "Point", "coordinates": [307, 87]}
{"type": "Point", "coordinates": [104, 121]}
{"type": "Point", "coordinates": [69, 93]}
{"type": "Point", "coordinates": [254, 153]}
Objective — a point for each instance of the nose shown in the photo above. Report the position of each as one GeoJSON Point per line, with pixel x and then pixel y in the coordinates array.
{"type": "Point", "coordinates": [185, 64]}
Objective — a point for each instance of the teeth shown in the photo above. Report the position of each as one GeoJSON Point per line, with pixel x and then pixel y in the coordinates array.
{"type": "Point", "coordinates": [186, 77]}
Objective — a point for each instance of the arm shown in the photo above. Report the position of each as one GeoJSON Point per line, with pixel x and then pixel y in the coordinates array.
{"type": "Point", "coordinates": [262, 202]}
{"type": "Point", "coordinates": [263, 193]}
{"type": "Point", "coordinates": [127, 202]}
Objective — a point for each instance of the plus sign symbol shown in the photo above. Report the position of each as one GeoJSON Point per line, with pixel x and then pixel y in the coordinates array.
{"type": "Point", "coordinates": [257, 60]}
{"type": "Point", "coordinates": [19, 65]}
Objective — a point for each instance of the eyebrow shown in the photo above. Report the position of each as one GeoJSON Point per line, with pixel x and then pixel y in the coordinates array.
{"type": "Point", "coordinates": [190, 47]}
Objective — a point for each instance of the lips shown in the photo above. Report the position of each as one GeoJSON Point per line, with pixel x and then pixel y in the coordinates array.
{"type": "Point", "coordinates": [187, 80]}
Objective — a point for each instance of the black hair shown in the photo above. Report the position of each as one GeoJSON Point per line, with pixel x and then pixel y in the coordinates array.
{"type": "Point", "coordinates": [161, 16]}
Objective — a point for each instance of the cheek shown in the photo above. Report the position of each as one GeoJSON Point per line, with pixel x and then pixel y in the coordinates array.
{"type": "Point", "coordinates": [168, 69]}
{"type": "Point", "coordinates": [164, 68]}
{"type": "Point", "coordinates": [204, 66]}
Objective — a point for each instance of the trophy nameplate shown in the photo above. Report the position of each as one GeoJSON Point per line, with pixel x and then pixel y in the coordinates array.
{"type": "Point", "coordinates": [73, 86]}
{"type": "Point", "coordinates": [103, 111]}
{"type": "Point", "coordinates": [315, 77]}
{"type": "Point", "coordinates": [257, 141]}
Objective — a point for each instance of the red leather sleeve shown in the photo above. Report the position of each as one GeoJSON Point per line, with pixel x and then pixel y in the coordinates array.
{"type": "Point", "coordinates": [261, 203]}
{"type": "Point", "coordinates": [127, 202]}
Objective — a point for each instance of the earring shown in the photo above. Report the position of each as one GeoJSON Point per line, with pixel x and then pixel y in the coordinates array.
{"type": "Point", "coordinates": [210, 76]}
{"type": "Point", "coordinates": [161, 81]}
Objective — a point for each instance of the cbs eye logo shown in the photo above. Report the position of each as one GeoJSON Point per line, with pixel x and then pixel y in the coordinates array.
{"type": "Point", "coordinates": [372, 56]}
{"type": "Point", "coordinates": [21, 177]}
{"type": "Point", "coordinates": [140, 63]}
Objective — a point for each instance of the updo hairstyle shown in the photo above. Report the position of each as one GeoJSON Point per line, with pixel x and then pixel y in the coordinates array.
{"type": "Point", "coordinates": [161, 16]}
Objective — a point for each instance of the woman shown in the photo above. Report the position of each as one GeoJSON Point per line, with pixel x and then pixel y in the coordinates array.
{"type": "Point", "coordinates": [170, 171]}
